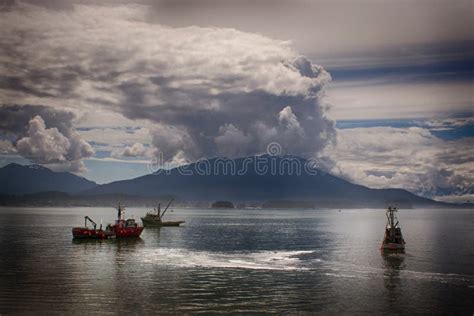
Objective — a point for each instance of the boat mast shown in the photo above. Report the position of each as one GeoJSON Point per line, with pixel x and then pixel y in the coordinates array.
{"type": "Point", "coordinates": [166, 208]}
{"type": "Point", "coordinates": [87, 218]}
{"type": "Point", "coordinates": [120, 211]}
{"type": "Point", "coordinates": [391, 217]}
{"type": "Point", "coordinates": [392, 221]}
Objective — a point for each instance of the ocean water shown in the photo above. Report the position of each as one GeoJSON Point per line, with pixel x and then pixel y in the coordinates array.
{"type": "Point", "coordinates": [241, 261]}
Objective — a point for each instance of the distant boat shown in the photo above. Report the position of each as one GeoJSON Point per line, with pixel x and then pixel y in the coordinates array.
{"type": "Point", "coordinates": [121, 228]}
{"type": "Point", "coordinates": [156, 219]}
{"type": "Point", "coordinates": [393, 238]}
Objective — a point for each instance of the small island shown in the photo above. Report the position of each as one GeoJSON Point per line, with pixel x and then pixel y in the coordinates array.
{"type": "Point", "coordinates": [222, 204]}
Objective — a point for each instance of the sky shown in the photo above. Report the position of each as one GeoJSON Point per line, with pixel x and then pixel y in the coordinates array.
{"type": "Point", "coordinates": [381, 92]}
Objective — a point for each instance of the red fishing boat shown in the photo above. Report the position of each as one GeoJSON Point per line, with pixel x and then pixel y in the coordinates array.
{"type": "Point", "coordinates": [92, 233]}
{"type": "Point", "coordinates": [120, 229]}
{"type": "Point", "coordinates": [125, 227]}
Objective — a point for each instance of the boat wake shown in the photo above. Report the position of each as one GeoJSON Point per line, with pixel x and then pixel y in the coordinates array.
{"type": "Point", "coordinates": [348, 270]}
{"type": "Point", "coordinates": [264, 260]}
{"type": "Point", "coordinates": [289, 261]}
{"type": "Point", "coordinates": [450, 278]}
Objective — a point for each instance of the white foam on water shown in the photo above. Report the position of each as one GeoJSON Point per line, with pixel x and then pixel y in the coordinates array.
{"type": "Point", "coordinates": [350, 276]}
{"type": "Point", "coordinates": [439, 277]}
{"type": "Point", "coordinates": [285, 261]}
{"type": "Point", "coordinates": [264, 260]}
{"type": "Point", "coordinates": [348, 270]}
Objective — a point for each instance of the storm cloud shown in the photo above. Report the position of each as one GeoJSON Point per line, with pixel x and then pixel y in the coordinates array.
{"type": "Point", "coordinates": [409, 158]}
{"type": "Point", "coordinates": [44, 135]}
{"type": "Point", "coordinates": [204, 91]}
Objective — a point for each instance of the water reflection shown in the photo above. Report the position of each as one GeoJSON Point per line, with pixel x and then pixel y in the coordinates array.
{"type": "Point", "coordinates": [128, 244]}
{"type": "Point", "coordinates": [85, 241]}
{"type": "Point", "coordinates": [152, 235]}
{"type": "Point", "coordinates": [119, 242]}
{"type": "Point", "coordinates": [393, 264]}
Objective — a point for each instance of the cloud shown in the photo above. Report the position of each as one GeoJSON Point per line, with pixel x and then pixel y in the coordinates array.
{"type": "Point", "coordinates": [43, 145]}
{"type": "Point", "coordinates": [381, 98]}
{"type": "Point", "coordinates": [447, 123]}
{"type": "Point", "coordinates": [49, 146]}
{"type": "Point", "coordinates": [231, 139]}
{"type": "Point", "coordinates": [290, 121]}
{"type": "Point", "coordinates": [43, 135]}
{"type": "Point", "coordinates": [409, 158]}
{"type": "Point", "coordinates": [342, 32]}
{"type": "Point", "coordinates": [6, 147]}
{"type": "Point", "coordinates": [136, 150]}
{"type": "Point", "coordinates": [115, 139]}
{"type": "Point", "coordinates": [15, 118]}
{"type": "Point", "coordinates": [171, 141]}
{"type": "Point", "coordinates": [195, 86]}
{"type": "Point", "coordinates": [396, 24]}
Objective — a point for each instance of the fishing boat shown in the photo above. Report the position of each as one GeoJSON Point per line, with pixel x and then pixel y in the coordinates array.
{"type": "Point", "coordinates": [155, 219]}
{"type": "Point", "coordinates": [91, 233]}
{"type": "Point", "coordinates": [125, 227]}
{"type": "Point", "coordinates": [393, 238]}
{"type": "Point", "coordinates": [121, 228]}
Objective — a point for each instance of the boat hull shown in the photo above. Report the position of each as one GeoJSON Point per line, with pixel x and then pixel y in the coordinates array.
{"type": "Point", "coordinates": [117, 232]}
{"type": "Point", "coordinates": [393, 239]}
{"type": "Point", "coordinates": [158, 223]}
{"type": "Point", "coordinates": [86, 233]}
{"type": "Point", "coordinates": [392, 247]}
{"type": "Point", "coordinates": [122, 232]}
{"type": "Point", "coordinates": [177, 223]}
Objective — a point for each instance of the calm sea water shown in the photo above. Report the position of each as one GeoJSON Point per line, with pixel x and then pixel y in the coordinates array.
{"type": "Point", "coordinates": [238, 261]}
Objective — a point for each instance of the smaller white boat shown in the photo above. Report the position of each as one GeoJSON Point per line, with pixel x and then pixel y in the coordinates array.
{"type": "Point", "coordinates": [156, 219]}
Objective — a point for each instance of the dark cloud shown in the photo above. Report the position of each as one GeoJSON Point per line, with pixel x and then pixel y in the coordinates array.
{"type": "Point", "coordinates": [199, 87]}
{"type": "Point", "coordinates": [43, 135]}
{"type": "Point", "coordinates": [15, 118]}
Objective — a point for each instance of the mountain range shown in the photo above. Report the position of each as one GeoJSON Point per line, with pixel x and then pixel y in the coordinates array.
{"type": "Point", "coordinates": [271, 181]}
{"type": "Point", "coordinates": [18, 180]}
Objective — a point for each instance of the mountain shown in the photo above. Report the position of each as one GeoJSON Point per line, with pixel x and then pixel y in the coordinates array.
{"type": "Point", "coordinates": [273, 180]}
{"type": "Point", "coordinates": [17, 180]}
{"type": "Point", "coordinates": [267, 181]}
{"type": "Point", "coordinates": [55, 198]}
